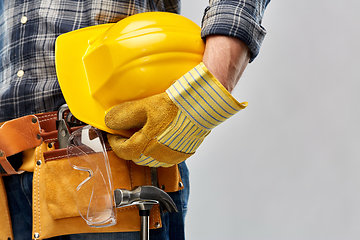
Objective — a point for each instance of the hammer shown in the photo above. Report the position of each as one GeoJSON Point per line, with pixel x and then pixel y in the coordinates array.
{"type": "Point", "coordinates": [144, 197]}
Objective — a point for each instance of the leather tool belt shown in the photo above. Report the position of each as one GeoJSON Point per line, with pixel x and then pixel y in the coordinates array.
{"type": "Point", "coordinates": [33, 140]}
{"type": "Point", "coordinates": [17, 136]}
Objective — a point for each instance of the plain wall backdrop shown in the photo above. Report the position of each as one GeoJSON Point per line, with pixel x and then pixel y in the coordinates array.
{"type": "Point", "coordinates": [287, 167]}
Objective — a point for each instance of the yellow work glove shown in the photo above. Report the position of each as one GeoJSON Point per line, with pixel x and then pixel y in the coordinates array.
{"type": "Point", "coordinates": [172, 124]}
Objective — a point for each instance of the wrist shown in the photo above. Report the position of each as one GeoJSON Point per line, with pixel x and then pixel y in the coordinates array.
{"type": "Point", "coordinates": [226, 58]}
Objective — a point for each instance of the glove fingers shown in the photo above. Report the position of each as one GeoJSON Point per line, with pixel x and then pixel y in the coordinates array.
{"type": "Point", "coordinates": [128, 149]}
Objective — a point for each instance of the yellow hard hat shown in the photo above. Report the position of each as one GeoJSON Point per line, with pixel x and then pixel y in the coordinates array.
{"type": "Point", "coordinates": [101, 66]}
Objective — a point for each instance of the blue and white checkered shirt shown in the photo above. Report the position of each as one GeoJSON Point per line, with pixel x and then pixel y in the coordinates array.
{"type": "Point", "coordinates": [28, 29]}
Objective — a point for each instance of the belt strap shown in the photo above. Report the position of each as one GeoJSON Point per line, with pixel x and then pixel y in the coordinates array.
{"type": "Point", "coordinates": [25, 133]}
{"type": "Point", "coordinates": [16, 136]}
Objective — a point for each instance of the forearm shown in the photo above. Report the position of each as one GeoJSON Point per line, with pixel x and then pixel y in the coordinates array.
{"type": "Point", "coordinates": [233, 34]}
{"type": "Point", "coordinates": [226, 58]}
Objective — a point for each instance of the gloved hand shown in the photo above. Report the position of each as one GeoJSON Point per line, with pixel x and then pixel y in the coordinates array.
{"type": "Point", "coordinates": [172, 124]}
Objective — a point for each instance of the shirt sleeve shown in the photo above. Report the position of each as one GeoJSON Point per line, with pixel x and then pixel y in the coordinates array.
{"type": "Point", "coordinates": [236, 18]}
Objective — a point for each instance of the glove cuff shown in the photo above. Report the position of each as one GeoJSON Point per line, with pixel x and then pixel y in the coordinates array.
{"type": "Point", "coordinates": [203, 98]}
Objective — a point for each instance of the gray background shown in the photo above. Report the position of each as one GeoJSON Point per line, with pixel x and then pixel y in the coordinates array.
{"type": "Point", "coordinates": [288, 166]}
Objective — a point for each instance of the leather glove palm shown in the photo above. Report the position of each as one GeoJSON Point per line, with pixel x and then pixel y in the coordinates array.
{"type": "Point", "coordinates": [172, 124]}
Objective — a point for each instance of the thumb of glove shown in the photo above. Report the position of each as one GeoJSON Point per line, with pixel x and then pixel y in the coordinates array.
{"type": "Point", "coordinates": [150, 115]}
{"type": "Point", "coordinates": [126, 116]}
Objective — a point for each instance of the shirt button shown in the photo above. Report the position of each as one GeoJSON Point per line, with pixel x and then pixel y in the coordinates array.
{"type": "Point", "coordinates": [20, 73]}
{"type": "Point", "coordinates": [23, 20]}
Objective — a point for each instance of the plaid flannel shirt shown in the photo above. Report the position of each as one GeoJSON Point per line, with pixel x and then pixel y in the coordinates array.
{"type": "Point", "coordinates": [29, 28]}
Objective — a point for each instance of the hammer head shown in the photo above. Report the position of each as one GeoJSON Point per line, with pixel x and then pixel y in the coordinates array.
{"type": "Point", "coordinates": [140, 194]}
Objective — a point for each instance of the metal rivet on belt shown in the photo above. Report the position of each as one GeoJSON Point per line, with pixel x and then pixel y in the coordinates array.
{"type": "Point", "coordinates": [36, 235]}
{"type": "Point", "coordinates": [50, 145]}
{"type": "Point", "coordinates": [34, 120]}
{"type": "Point", "coordinates": [157, 224]}
{"type": "Point", "coordinates": [181, 184]}
{"type": "Point", "coordinates": [38, 136]}
{"type": "Point", "coordinates": [163, 187]}
{"type": "Point", "coordinates": [38, 162]}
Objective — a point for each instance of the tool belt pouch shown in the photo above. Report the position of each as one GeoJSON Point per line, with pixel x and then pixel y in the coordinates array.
{"type": "Point", "coordinates": [17, 136]}
{"type": "Point", "coordinates": [54, 187]}
{"type": "Point", "coordinates": [55, 212]}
